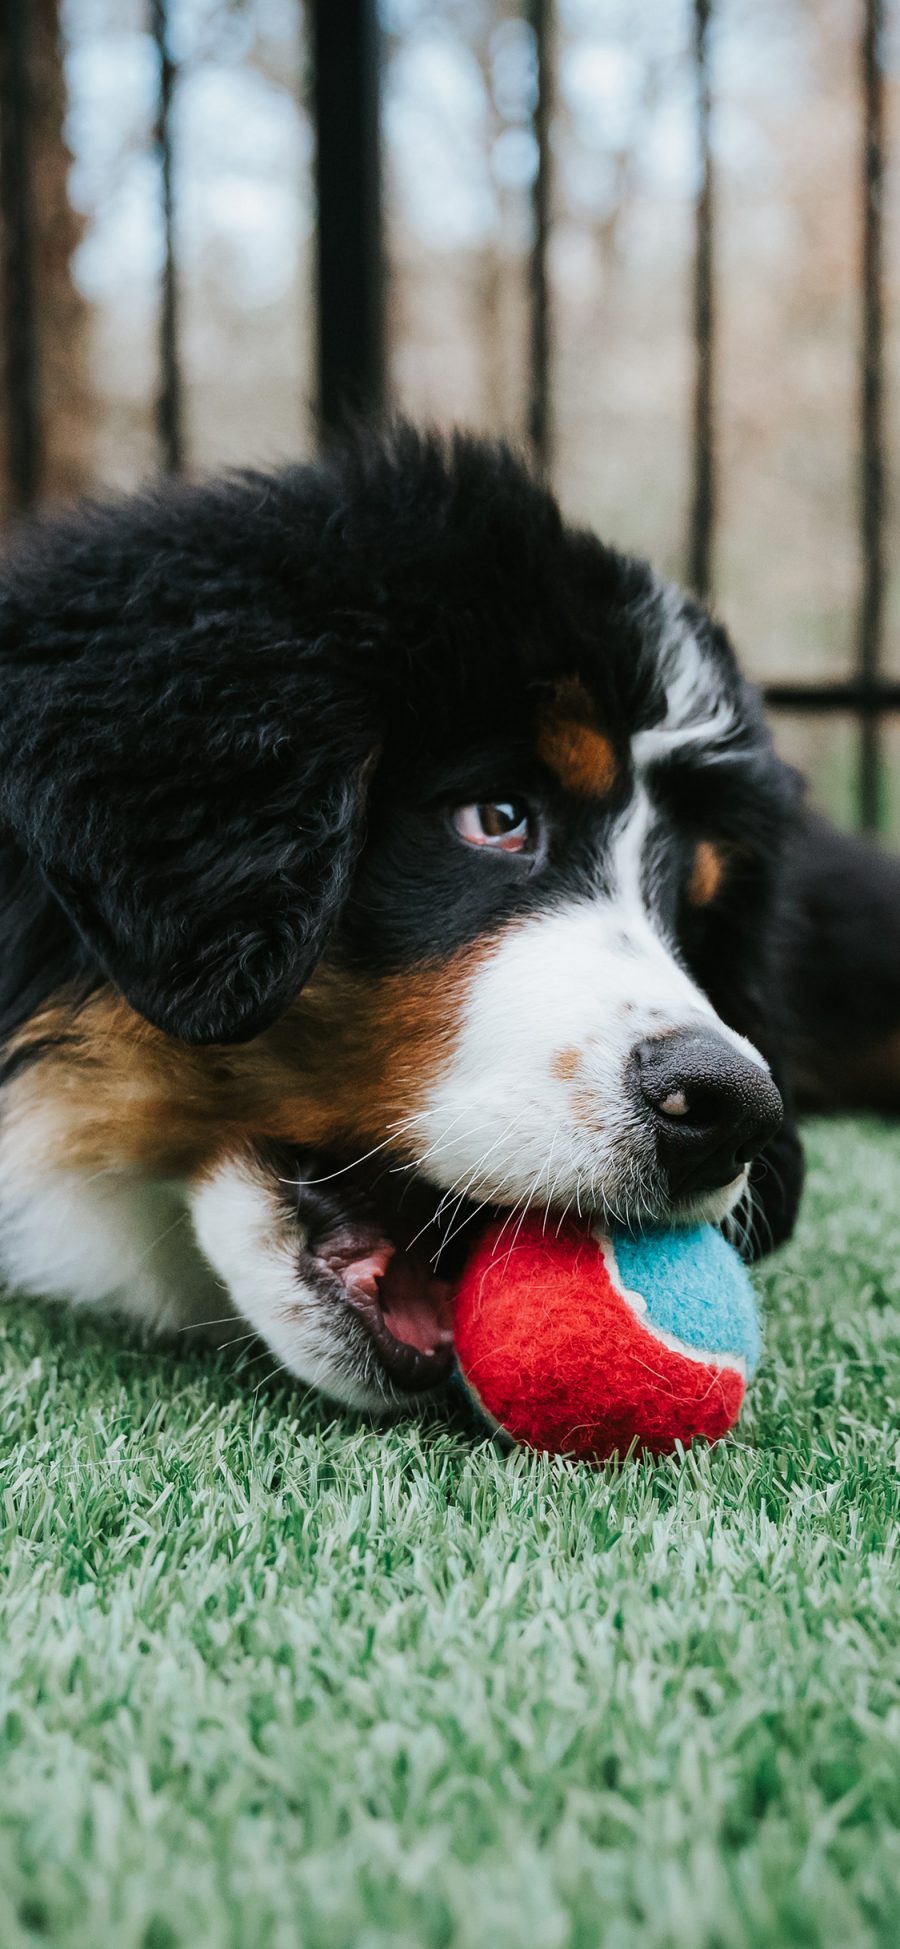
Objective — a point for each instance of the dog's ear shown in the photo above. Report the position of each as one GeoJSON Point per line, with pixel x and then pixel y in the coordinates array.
{"type": "Point", "coordinates": [183, 758]}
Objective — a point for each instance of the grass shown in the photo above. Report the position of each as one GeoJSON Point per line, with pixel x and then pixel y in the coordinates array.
{"type": "Point", "coordinates": [270, 1677]}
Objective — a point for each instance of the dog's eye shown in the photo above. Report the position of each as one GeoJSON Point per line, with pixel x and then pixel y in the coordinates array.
{"type": "Point", "coordinates": [502, 824]}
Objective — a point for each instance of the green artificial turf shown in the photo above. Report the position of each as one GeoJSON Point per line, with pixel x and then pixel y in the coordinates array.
{"type": "Point", "coordinates": [269, 1676]}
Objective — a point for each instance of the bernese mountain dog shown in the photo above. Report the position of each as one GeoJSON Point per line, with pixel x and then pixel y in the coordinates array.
{"type": "Point", "coordinates": [378, 851]}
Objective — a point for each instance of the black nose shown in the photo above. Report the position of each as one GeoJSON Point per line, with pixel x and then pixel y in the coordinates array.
{"type": "Point", "coordinates": [712, 1109]}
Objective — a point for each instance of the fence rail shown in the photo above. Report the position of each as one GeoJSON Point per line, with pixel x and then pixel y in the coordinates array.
{"type": "Point", "coordinates": [350, 295]}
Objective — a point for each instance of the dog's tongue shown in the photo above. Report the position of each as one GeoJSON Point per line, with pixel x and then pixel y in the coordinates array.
{"type": "Point", "coordinates": [416, 1307]}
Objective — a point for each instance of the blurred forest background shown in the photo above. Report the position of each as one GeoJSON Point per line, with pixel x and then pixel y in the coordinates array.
{"type": "Point", "coordinates": [459, 162]}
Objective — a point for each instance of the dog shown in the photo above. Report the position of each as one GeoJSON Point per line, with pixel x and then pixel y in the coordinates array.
{"type": "Point", "coordinates": [377, 852]}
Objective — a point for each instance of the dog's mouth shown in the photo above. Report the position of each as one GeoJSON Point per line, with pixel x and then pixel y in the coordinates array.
{"type": "Point", "coordinates": [395, 1257]}
{"type": "Point", "coordinates": [406, 1309]}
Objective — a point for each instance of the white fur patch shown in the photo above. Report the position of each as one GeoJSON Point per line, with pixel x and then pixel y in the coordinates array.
{"type": "Point", "coordinates": [696, 712]}
{"type": "Point", "coordinates": [113, 1239]}
{"type": "Point", "coordinates": [251, 1239]}
{"type": "Point", "coordinates": [503, 1123]}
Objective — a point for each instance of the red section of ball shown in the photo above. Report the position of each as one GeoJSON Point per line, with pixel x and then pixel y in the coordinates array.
{"type": "Point", "coordinates": [554, 1354]}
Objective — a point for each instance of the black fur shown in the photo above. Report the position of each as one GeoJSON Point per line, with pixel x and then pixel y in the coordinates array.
{"type": "Point", "coordinates": [233, 718]}
{"type": "Point", "coordinates": [839, 960]}
{"type": "Point", "coordinates": [194, 687]}
{"type": "Point", "coordinates": [182, 756]}
{"type": "Point", "coordinates": [41, 953]}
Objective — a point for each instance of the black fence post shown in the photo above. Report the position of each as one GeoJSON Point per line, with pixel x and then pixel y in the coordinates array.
{"type": "Point", "coordinates": [21, 374]}
{"type": "Point", "coordinates": [872, 468]}
{"type": "Point", "coordinates": [169, 402]}
{"type": "Point", "coordinates": [539, 421]}
{"type": "Point", "coordinates": [350, 266]}
{"type": "Point", "coordinates": [703, 497]}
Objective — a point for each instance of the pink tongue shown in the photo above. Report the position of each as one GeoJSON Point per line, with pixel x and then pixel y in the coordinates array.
{"type": "Point", "coordinates": [417, 1308]}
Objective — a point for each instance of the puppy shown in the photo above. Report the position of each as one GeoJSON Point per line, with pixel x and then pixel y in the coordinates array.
{"type": "Point", "coordinates": [376, 850]}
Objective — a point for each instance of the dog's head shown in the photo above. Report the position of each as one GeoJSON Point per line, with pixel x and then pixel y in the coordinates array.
{"type": "Point", "coordinates": [384, 769]}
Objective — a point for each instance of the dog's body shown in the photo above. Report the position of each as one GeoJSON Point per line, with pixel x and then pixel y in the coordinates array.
{"type": "Point", "coordinates": [373, 849]}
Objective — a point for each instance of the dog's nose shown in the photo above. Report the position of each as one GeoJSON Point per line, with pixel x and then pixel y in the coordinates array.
{"type": "Point", "coordinates": [712, 1109]}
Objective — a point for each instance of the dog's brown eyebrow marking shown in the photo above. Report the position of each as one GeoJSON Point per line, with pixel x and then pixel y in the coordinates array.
{"type": "Point", "coordinates": [565, 1064]}
{"type": "Point", "coordinates": [707, 874]}
{"type": "Point", "coordinates": [570, 742]}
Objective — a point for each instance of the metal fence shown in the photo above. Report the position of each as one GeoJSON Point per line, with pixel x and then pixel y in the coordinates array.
{"type": "Point", "coordinates": [350, 297]}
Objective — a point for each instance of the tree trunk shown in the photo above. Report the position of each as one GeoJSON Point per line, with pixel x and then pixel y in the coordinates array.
{"type": "Point", "coordinates": [45, 396]}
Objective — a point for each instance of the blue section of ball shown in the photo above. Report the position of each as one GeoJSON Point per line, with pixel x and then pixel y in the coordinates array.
{"type": "Point", "coordinates": [695, 1288]}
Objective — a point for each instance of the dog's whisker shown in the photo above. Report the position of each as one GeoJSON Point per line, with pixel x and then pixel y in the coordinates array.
{"type": "Point", "coordinates": [551, 1193]}
{"type": "Point", "coordinates": [239, 1339]}
{"type": "Point", "coordinates": [460, 1196]}
{"type": "Point", "coordinates": [566, 1210]}
{"type": "Point", "coordinates": [532, 1194]}
{"type": "Point", "coordinates": [480, 1203]}
{"type": "Point", "coordinates": [179, 1219]}
{"type": "Point", "coordinates": [475, 1212]}
{"type": "Point", "coordinates": [355, 1162]}
{"type": "Point", "coordinates": [511, 1213]}
{"type": "Point", "coordinates": [454, 1195]}
{"type": "Point", "coordinates": [198, 1326]}
{"type": "Point", "coordinates": [440, 1145]}
{"type": "Point", "coordinates": [532, 1191]}
{"type": "Point", "coordinates": [413, 1169]}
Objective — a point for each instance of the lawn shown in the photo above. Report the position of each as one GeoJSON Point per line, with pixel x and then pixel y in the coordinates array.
{"type": "Point", "coordinates": [270, 1677]}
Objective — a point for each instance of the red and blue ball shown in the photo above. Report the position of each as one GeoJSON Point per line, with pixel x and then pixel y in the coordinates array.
{"type": "Point", "coordinates": [586, 1345]}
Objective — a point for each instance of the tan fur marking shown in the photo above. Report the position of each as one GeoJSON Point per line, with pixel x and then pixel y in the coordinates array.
{"type": "Point", "coordinates": [586, 1109]}
{"type": "Point", "coordinates": [571, 744]}
{"type": "Point", "coordinates": [707, 874]}
{"type": "Point", "coordinates": [351, 1059]}
{"type": "Point", "coordinates": [565, 1064]}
